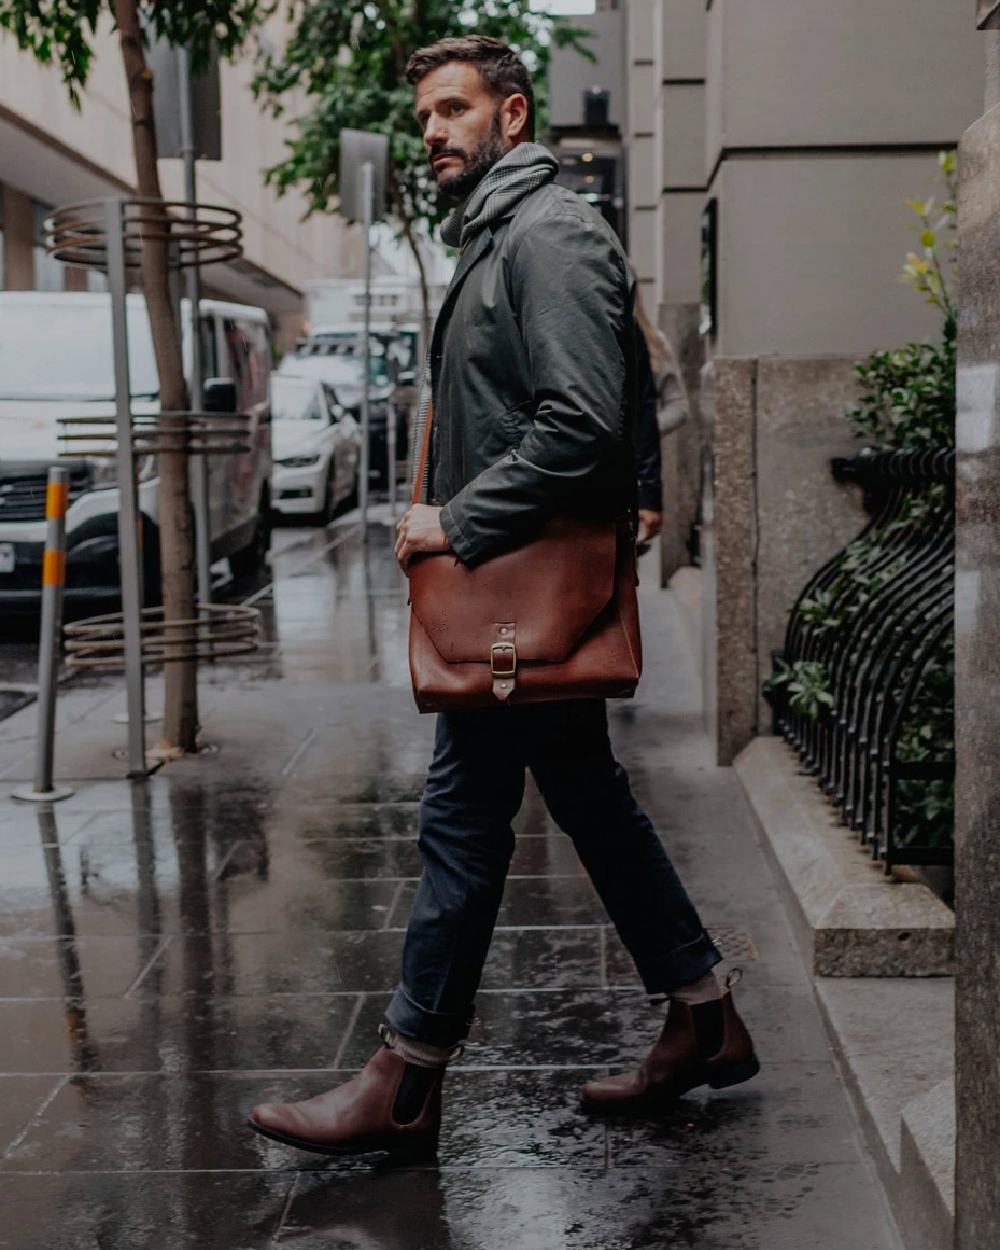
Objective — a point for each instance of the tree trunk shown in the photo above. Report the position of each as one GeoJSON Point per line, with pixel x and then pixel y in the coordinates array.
{"type": "Point", "coordinates": [176, 519]}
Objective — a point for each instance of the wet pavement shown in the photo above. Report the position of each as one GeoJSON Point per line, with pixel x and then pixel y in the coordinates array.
{"type": "Point", "coordinates": [228, 931]}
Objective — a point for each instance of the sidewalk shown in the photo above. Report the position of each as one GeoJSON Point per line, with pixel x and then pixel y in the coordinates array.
{"type": "Point", "coordinates": [229, 931]}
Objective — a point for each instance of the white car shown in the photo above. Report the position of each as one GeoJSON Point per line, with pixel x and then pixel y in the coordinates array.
{"type": "Point", "coordinates": [345, 375]}
{"type": "Point", "coordinates": [316, 444]}
{"type": "Point", "coordinates": [56, 363]}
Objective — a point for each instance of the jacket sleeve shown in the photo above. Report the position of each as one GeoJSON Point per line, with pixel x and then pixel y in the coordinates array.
{"type": "Point", "coordinates": [648, 461]}
{"type": "Point", "coordinates": [569, 288]}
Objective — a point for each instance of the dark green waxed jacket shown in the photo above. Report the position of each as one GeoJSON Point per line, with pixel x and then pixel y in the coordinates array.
{"type": "Point", "coordinates": [533, 376]}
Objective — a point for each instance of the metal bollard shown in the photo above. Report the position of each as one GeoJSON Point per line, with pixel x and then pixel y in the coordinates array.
{"type": "Point", "coordinates": [53, 586]}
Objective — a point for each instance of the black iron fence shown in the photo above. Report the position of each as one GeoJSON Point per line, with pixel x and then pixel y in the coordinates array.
{"type": "Point", "coordinates": [864, 686]}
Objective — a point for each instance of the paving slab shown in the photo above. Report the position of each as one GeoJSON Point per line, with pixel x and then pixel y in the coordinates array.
{"type": "Point", "coordinates": [228, 931]}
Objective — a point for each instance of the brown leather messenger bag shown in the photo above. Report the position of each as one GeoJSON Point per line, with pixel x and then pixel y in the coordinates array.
{"type": "Point", "coordinates": [556, 618]}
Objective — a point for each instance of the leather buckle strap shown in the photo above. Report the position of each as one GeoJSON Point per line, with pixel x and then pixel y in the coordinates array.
{"type": "Point", "coordinates": [503, 659]}
{"type": "Point", "coordinates": [503, 662]}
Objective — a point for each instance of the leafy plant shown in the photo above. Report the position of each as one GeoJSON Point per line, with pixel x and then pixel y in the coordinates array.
{"type": "Point", "coordinates": [907, 398]}
{"type": "Point", "coordinates": [925, 808]}
{"type": "Point", "coordinates": [805, 684]}
{"type": "Point", "coordinates": [934, 274]}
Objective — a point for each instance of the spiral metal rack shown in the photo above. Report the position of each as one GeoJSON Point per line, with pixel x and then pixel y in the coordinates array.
{"type": "Point", "coordinates": [876, 623]}
{"type": "Point", "coordinates": [92, 232]}
{"type": "Point", "coordinates": [196, 433]}
{"type": "Point", "coordinates": [109, 235]}
{"type": "Point", "coordinates": [219, 632]}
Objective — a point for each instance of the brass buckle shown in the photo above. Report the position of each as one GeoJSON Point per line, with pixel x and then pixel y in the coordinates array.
{"type": "Point", "coordinates": [507, 651]}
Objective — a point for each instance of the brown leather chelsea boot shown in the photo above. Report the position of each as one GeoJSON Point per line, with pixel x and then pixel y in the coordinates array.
{"type": "Point", "coordinates": [707, 1044]}
{"type": "Point", "coordinates": [390, 1105]}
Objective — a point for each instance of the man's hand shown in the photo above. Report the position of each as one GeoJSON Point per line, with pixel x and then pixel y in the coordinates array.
{"type": "Point", "coordinates": [650, 524]}
{"type": "Point", "coordinates": [419, 530]}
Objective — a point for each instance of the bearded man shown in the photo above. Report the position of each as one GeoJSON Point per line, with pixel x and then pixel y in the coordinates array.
{"type": "Point", "coordinates": [533, 381]}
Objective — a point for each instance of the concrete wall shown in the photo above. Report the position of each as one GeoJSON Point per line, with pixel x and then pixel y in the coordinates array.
{"type": "Point", "coordinates": [18, 232]}
{"type": "Point", "coordinates": [892, 72]}
{"type": "Point", "coordinates": [821, 119]}
{"type": "Point", "coordinates": [810, 251]}
{"type": "Point", "coordinates": [769, 422]}
{"type": "Point", "coordinates": [571, 74]}
{"type": "Point", "coordinates": [977, 687]}
{"type": "Point", "coordinates": [55, 154]}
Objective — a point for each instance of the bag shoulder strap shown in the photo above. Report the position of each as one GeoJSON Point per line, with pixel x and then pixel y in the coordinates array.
{"type": "Point", "coordinates": [425, 447]}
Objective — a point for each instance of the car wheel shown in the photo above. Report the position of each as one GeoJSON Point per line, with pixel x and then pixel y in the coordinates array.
{"type": "Point", "coordinates": [253, 557]}
{"type": "Point", "coordinates": [329, 509]}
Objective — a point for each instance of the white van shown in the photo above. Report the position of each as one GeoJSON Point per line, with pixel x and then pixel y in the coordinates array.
{"type": "Point", "coordinates": [55, 362]}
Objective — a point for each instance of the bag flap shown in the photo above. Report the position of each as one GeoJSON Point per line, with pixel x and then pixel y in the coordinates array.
{"type": "Point", "coordinates": [552, 590]}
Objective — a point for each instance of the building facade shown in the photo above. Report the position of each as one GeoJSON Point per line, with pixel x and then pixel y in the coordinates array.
{"type": "Point", "coordinates": [53, 154]}
{"type": "Point", "coordinates": [772, 148]}
{"type": "Point", "coordinates": [782, 242]}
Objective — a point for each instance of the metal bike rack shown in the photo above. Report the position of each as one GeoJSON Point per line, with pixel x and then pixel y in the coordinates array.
{"type": "Point", "coordinates": [219, 632]}
{"type": "Point", "coordinates": [109, 235]}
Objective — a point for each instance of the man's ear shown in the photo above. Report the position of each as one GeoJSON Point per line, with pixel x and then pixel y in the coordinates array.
{"type": "Point", "coordinates": [514, 118]}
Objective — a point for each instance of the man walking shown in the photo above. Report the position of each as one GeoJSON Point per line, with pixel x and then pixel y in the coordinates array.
{"type": "Point", "coordinates": [532, 363]}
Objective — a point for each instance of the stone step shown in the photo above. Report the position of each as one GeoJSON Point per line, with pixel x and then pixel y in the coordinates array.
{"type": "Point", "coordinates": [852, 919]}
{"type": "Point", "coordinates": [895, 1045]}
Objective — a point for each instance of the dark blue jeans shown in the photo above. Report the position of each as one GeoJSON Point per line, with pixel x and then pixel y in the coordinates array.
{"type": "Point", "coordinates": [474, 789]}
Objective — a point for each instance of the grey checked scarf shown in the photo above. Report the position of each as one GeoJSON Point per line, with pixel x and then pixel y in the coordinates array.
{"type": "Point", "coordinates": [522, 170]}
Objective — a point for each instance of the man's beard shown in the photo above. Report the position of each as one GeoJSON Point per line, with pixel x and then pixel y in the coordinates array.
{"type": "Point", "coordinates": [459, 186]}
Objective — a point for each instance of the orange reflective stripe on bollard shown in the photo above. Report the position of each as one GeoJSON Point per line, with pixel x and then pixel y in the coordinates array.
{"type": "Point", "coordinates": [43, 789]}
{"type": "Point", "coordinates": [54, 568]}
{"type": "Point", "coordinates": [56, 499]}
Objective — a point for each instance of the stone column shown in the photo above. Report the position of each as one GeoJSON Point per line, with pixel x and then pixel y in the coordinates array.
{"type": "Point", "coordinates": [772, 516]}
{"type": "Point", "coordinates": [18, 238]}
{"type": "Point", "coordinates": [977, 622]}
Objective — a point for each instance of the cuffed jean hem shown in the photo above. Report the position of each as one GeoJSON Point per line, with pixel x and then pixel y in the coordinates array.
{"type": "Point", "coordinates": [683, 966]}
{"type": "Point", "coordinates": [435, 1028]}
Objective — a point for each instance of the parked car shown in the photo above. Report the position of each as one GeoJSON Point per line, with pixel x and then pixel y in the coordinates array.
{"type": "Point", "coordinates": [56, 362]}
{"type": "Point", "coordinates": [395, 352]}
{"type": "Point", "coordinates": [344, 373]}
{"type": "Point", "coordinates": [316, 443]}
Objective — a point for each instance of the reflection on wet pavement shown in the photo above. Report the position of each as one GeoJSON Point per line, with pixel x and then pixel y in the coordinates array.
{"type": "Point", "coordinates": [174, 950]}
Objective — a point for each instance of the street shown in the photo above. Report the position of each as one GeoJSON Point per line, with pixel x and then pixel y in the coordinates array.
{"type": "Point", "coordinates": [19, 636]}
{"type": "Point", "coordinates": [229, 930]}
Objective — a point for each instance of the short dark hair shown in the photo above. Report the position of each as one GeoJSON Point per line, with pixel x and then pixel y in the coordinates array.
{"type": "Point", "coordinates": [500, 68]}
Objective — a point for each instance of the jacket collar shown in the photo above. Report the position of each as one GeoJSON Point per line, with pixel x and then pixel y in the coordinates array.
{"type": "Point", "coordinates": [476, 249]}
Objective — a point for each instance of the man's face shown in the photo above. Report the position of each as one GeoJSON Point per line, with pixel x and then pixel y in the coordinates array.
{"type": "Point", "coordinates": [463, 127]}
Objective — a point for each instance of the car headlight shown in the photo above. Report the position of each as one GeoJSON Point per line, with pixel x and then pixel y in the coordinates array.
{"type": "Point", "coordinates": [298, 462]}
{"type": "Point", "coordinates": [104, 470]}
